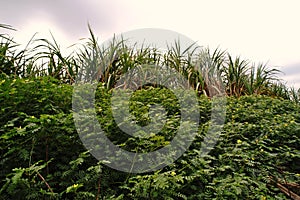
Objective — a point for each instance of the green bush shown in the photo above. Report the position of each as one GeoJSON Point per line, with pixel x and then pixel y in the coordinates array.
{"type": "Point", "coordinates": [42, 157]}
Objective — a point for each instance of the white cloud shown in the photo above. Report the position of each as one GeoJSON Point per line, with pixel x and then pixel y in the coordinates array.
{"type": "Point", "coordinates": [261, 31]}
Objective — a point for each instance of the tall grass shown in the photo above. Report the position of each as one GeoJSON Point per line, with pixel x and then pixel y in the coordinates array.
{"type": "Point", "coordinates": [207, 72]}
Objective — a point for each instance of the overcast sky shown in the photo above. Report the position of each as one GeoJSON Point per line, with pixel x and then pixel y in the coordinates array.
{"type": "Point", "coordinates": [259, 30]}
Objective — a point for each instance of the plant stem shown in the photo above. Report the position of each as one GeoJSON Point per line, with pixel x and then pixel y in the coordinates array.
{"type": "Point", "coordinates": [48, 186]}
{"type": "Point", "coordinates": [99, 187]}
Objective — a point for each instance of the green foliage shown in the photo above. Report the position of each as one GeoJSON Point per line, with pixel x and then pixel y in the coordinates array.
{"type": "Point", "coordinates": [42, 156]}
{"type": "Point", "coordinates": [207, 72]}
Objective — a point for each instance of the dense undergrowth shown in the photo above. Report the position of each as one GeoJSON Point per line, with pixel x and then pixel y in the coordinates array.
{"type": "Point", "coordinates": [42, 157]}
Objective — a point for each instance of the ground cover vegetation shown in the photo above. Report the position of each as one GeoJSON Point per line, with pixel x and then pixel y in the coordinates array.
{"type": "Point", "coordinates": [42, 157]}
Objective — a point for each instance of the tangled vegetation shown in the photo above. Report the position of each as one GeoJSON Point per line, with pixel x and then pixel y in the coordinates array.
{"type": "Point", "coordinates": [42, 157]}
